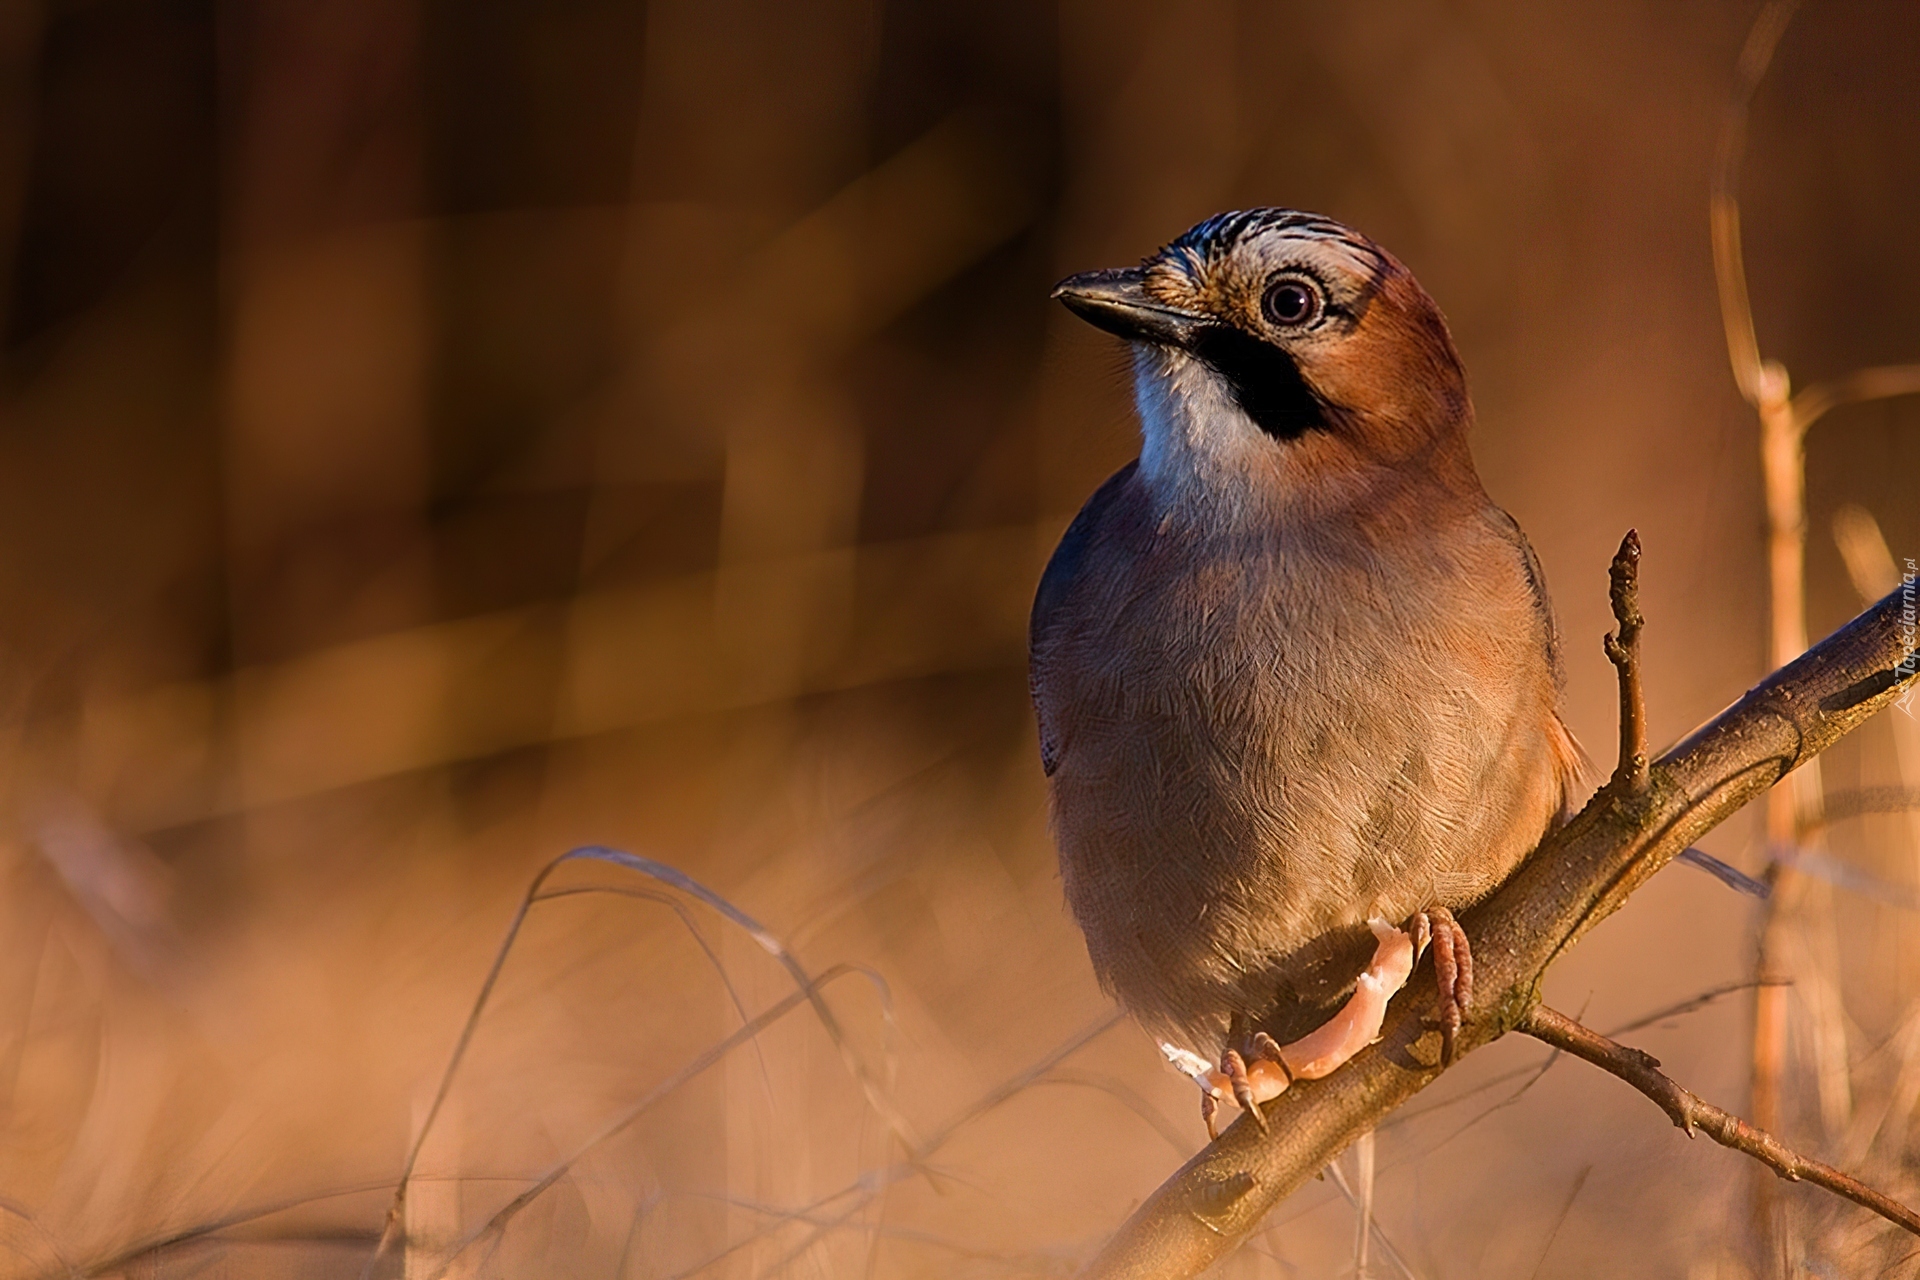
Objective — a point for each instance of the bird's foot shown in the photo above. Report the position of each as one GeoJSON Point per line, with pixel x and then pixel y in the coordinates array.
{"type": "Point", "coordinates": [1260, 1070]}
{"type": "Point", "coordinates": [1452, 970]}
{"type": "Point", "coordinates": [1249, 1079]}
{"type": "Point", "coordinates": [1357, 1025]}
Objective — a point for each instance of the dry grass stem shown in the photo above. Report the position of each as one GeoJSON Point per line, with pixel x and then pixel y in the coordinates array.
{"type": "Point", "coordinates": [1796, 810]}
{"type": "Point", "coordinates": [808, 990]}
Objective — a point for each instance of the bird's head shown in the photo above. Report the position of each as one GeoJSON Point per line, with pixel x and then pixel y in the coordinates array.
{"type": "Point", "coordinates": [1276, 342]}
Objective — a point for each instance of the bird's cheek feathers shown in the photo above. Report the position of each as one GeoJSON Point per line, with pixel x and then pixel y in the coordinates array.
{"type": "Point", "coordinates": [1392, 383]}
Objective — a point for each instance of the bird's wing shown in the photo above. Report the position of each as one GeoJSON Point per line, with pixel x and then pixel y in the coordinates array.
{"type": "Point", "coordinates": [1572, 769]}
{"type": "Point", "coordinates": [1537, 583]}
{"type": "Point", "coordinates": [1056, 584]}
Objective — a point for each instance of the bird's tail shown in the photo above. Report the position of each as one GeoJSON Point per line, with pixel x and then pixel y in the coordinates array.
{"type": "Point", "coordinates": [1573, 769]}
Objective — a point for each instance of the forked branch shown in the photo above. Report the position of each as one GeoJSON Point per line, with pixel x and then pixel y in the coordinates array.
{"type": "Point", "coordinates": [1694, 1115]}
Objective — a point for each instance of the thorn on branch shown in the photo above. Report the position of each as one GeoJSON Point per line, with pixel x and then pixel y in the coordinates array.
{"type": "Point", "coordinates": [1630, 775]}
{"type": "Point", "coordinates": [1691, 1114]}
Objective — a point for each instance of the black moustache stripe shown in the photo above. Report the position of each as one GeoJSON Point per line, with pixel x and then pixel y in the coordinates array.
{"type": "Point", "coordinates": [1266, 382]}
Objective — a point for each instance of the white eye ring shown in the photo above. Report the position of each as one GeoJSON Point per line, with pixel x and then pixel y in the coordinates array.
{"type": "Point", "coordinates": [1292, 301]}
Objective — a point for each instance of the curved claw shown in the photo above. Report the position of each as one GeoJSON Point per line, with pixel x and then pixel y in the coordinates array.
{"type": "Point", "coordinates": [1266, 1069]}
{"type": "Point", "coordinates": [1267, 1049]}
{"type": "Point", "coordinates": [1234, 1068]}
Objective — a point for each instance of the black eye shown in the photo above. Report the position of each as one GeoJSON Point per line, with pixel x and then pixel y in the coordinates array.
{"type": "Point", "coordinates": [1291, 301]}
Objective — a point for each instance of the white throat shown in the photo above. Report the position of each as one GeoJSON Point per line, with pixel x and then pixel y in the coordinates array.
{"type": "Point", "coordinates": [1198, 448]}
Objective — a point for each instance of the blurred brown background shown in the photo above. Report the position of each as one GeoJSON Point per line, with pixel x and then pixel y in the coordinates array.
{"type": "Point", "coordinates": [436, 435]}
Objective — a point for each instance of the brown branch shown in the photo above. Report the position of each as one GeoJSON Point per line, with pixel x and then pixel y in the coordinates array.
{"type": "Point", "coordinates": [1580, 874]}
{"type": "Point", "coordinates": [1693, 1115]}
{"type": "Point", "coordinates": [1623, 651]}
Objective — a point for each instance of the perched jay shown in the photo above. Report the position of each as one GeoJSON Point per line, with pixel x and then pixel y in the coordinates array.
{"type": "Point", "coordinates": [1295, 673]}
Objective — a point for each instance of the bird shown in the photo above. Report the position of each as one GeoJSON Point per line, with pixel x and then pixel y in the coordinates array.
{"type": "Point", "coordinates": [1296, 676]}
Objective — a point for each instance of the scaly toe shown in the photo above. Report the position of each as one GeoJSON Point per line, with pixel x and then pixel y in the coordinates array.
{"type": "Point", "coordinates": [1234, 1067]}
{"type": "Point", "coordinates": [1453, 974]}
{"type": "Point", "coordinates": [1267, 1049]}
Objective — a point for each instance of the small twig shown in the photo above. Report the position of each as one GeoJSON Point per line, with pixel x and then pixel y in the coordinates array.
{"type": "Point", "coordinates": [1642, 1070]}
{"type": "Point", "coordinates": [1630, 776]}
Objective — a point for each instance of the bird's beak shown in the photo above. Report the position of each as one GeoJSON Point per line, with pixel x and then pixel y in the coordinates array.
{"type": "Point", "coordinates": [1117, 301]}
